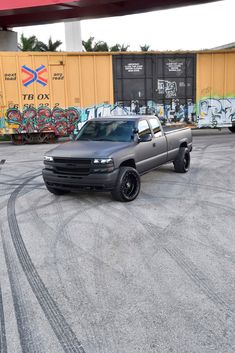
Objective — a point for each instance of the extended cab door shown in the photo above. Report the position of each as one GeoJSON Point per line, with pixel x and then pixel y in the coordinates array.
{"type": "Point", "coordinates": [145, 151]}
{"type": "Point", "coordinates": [159, 142]}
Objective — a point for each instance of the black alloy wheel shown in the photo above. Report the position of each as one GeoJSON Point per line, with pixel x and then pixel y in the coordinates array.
{"type": "Point", "coordinates": [182, 161]}
{"type": "Point", "coordinates": [128, 185]}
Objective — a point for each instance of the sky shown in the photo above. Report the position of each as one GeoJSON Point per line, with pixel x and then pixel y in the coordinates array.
{"type": "Point", "coordinates": [186, 28]}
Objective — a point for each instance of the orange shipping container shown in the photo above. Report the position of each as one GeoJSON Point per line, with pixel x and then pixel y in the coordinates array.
{"type": "Point", "coordinates": [55, 79]}
{"type": "Point", "coordinates": [215, 89]}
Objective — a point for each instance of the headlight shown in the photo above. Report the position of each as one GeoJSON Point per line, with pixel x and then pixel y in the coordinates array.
{"type": "Point", "coordinates": [103, 161]}
{"type": "Point", "coordinates": [48, 159]}
{"type": "Point", "coordinates": [102, 165]}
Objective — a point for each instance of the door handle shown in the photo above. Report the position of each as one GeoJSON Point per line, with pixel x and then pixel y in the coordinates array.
{"type": "Point", "coordinates": [154, 144]}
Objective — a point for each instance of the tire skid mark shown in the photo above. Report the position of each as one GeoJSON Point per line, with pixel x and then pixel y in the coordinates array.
{"type": "Point", "coordinates": [27, 341]}
{"type": "Point", "coordinates": [102, 285]}
{"type": "Point", "coordinates": [218, 250]}
{"type": "Point", "coordinates": [151, 229]}
{"type": "Point", "coordinates": [62, 330]}
{"type": "Point", "coordinates": [197, 276]}
{"type": "Point", "coordinates": [100, 332]}
{"type": "Point", "coordinates": [205, 186]}
{"type": "Point", "coordinates": [3, 204]}
{"type": "Point", "coordinates": [63, 235]}
{"type": "Point", "coordinates": [3, 342]}
{"type": "Point", "coordinates": [196, 204]}
{"type": "Point", "coordinates": [87, 312]}
{"type": "Point", "coordinates": [190, 269]}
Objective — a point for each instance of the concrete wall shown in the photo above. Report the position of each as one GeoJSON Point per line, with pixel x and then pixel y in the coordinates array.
{"type": "Point", "coordinates": [8, 41]}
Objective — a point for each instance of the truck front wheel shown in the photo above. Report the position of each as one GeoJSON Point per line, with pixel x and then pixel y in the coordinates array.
{"type": "Point", "coordinates": [182, 161]}
{"type": "Point", "coordinates": [128, 185]}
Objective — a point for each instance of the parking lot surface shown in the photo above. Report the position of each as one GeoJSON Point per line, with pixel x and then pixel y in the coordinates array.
{"type": "Point", "coordinates": [83, 273]}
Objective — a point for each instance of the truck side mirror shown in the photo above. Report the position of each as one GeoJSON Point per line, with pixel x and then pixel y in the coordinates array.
{"type": "Point", "coordinates": [145, 138]}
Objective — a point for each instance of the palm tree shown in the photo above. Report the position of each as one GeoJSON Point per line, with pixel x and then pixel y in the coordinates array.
{"type": "Point", "coordinates": [124, 47]}
{"type": "Point", "coordinates": [51, 46]}
{"type": "Point", "coordinates": [119, 47]}
{"type": "Point", "coordinates": [88, 44]}
{"type": "Point", "coordinates": [28, 44]}
{"type": "Point", "coordinates": [145, 47]}
{"type": "Point", "coordinates": [115, 47]}
{"type": "Point", "coordinates": [101, 46]}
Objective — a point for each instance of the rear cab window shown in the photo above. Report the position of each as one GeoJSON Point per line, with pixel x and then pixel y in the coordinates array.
{"type": "Point", "coordinates": [156, 127]}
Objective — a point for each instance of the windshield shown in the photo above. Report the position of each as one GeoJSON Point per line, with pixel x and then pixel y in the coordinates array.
{"type": "Point", "coordinates": [122, 131]}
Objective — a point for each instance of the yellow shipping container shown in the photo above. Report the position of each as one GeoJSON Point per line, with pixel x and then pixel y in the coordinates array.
{"type": "Point", "coordinates": [216, 88]}
{"type": "Point", "coordinates": [55, 79]}
{"type": "Point", "coordinates": [42, 94]}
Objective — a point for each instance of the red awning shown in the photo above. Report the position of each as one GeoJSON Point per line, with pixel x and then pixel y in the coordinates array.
{"type": "Point", "coordinates": [20, 4]}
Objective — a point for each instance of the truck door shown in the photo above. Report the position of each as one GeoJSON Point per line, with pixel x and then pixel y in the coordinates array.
{"type": "Point", "coordinates": [145, 151]}
{"type": "Point", "coordinates": [159, 142]}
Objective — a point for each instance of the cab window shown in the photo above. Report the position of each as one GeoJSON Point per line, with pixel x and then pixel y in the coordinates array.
{"type": "Point", "coordinates": [143, 128]}
{"type": "Point", "coordinates": [155, 124]}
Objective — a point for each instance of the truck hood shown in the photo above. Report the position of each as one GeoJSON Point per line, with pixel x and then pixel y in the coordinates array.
{"type": "Point", "coordinates": [88, 149]}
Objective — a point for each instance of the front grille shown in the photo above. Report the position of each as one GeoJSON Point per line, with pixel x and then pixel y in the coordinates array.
{"type": "Point", "coordinates": [72, 166]}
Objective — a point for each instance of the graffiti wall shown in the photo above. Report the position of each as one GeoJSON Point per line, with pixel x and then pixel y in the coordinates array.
{"type": "Point", "coordinates": [174, 112]}
{"type": "Point", "coordinates": [60, 121]}
{"type": "Point", "coordinates": [63, 122]}
{"type": "Point", "coordinates": [215, 112]}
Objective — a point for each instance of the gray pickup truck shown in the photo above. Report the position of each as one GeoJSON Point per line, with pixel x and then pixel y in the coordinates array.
{"type": "Point", "coordinates": [110, 154]}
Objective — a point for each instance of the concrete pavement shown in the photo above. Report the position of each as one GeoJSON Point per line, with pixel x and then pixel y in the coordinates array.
{"type": "Point", "coordinates": [83, 273]}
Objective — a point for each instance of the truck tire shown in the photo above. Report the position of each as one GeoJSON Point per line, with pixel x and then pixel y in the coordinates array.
{"type": "Point", "coordinates": [182, 161]}
{"type": "Point", "coordinates": [232, 129]}
{"type": "Point", "coordinates": [57, 191]}
{"type": "Point", "coordinates": [128, 185]}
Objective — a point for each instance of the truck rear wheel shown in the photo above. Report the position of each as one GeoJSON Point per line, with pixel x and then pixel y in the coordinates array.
{"type": "Point", "coordinates": [56, 191]}
{"type": "Point", "coordinates": [128, 185]}
{"type": "Point", "coordinates": [182, 161]}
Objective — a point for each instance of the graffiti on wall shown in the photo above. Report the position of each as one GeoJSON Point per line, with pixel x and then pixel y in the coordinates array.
{"type": "Point", "coordinates": [175, 112]}
{"type": "Point", "coordinates": [214, 112]}
{"type": "Point", "coordinates": [168, 88]}
{"type": "Point", "coordinates": [62, 122]}
{"type": "Point", "coordinates": [102, 110]}
{"type": "Point", "coordinates": [31, 120]}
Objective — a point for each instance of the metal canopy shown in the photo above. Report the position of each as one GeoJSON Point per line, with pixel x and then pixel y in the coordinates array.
{"type": "Point", "coordinates": [14, 13]}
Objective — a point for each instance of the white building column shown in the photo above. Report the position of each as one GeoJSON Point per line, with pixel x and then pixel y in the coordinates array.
{"type": "Point", "coordinates": [8, 41]}
{"type": "Point", "coordinates": [73, 38]}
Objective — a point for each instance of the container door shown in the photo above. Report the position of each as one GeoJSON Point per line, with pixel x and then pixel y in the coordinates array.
{"type": "Point", "coordinates": [174, 87]}
{"type": "Point", "coordinates": [133, 80]}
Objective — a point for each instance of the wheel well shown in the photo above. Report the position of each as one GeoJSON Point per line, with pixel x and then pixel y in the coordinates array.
{"type": "Point", "coordinates": [128, 163]}
{"type": "Point", "coordinates": [183, 144]}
